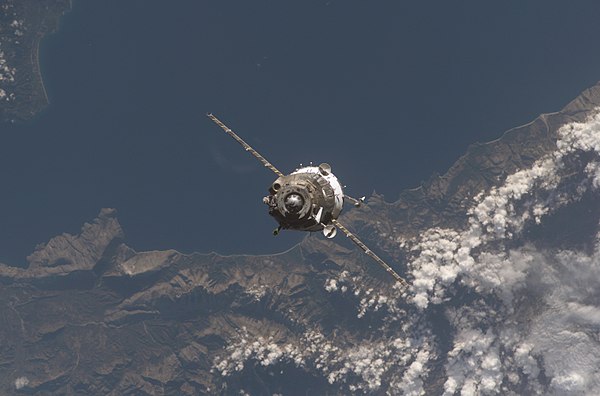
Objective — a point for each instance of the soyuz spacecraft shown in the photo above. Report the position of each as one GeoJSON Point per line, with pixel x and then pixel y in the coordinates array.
{"type": "Point", "coordinates": [309, 199]}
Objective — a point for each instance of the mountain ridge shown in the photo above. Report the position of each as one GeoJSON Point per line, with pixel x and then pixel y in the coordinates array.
{"type": "Point", "coordinates": [91, 315]}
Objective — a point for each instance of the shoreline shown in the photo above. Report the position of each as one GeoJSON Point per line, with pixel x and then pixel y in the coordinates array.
{"type": "Point", "coordinates": [37, 69]}
{"type": "Point", "coordinates": [35, 53]}
{"type": "Point", "coordinates": [35, 62]}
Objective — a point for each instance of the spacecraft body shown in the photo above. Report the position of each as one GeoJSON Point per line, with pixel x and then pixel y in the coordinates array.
{"type": "Point", "coordinates": [307, 199]}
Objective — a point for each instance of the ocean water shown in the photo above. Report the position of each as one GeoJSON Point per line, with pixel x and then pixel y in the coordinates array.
{"type": "Point", "coordinates": [387, 93]}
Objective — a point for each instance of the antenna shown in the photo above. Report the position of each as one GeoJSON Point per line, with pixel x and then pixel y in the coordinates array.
{"type": "Point", "coordinates": [329, 230]}
{"type": "Point", "coordinates": [369, 252]}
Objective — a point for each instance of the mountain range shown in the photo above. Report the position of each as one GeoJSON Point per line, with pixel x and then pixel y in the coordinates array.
{"type": "Point", "coordinates": [501, 253]}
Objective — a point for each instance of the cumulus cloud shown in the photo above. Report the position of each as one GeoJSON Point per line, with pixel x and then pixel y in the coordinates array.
{"type": "Point", "coordinates": [403, 360]}
{"type": "Point", "coordinates": [520, 319]}
{"type": "Point", "coordinates": [21, 382]}
{"type": "Point", "coordinates": [441, 255]}
{"type": "Point", "coordinates": [565, 333]}
{"type": "Point", "coordinates": [547, 320]}
{"type": "Point", "coordinates": [7, 79]}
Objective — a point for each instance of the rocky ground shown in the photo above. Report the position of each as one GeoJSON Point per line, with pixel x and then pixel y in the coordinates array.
{"type": "Point", "coordinates": [90, 315]}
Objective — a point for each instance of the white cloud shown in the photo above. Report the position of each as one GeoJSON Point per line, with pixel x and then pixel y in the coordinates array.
{"type": "Point", "coordinates": [405, 360]}
{"type": "Point", "coordinates": [549, 320]}
{"type": "Point", "coordinates": [21, 382]}
{"type": "Point", "coordinates": [500, 214]}
{"type": "Point", "coordinates": [474, 363]}
{"type": "Point", "coordinates": [512, 314]}
{"type": "Point", "coordinates": [331, 285]}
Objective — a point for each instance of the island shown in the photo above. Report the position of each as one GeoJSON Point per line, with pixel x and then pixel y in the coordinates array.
{"type": "Point", "coordinates": [23, 25]}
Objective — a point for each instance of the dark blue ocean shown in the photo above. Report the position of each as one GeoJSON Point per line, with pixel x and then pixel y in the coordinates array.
{"type": "Point", "coordinates": [387, 92]}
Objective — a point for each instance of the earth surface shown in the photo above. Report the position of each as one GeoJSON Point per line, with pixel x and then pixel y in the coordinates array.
{"type": "Point", "coordinates": [501, 250]}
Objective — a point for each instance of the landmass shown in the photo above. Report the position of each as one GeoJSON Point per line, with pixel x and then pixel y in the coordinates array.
{"type": "Point", "coordinates": [23, 24]}
{"type": "Point", "coordinates": [501, 252]}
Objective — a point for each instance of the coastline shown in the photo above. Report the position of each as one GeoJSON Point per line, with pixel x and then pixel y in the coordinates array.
{"type": "Point", "coordinates": [35, 53]}
{"type": "Point", "coordinates": [31, 95]}
{"type": "Point", "coordinates": [35, 65]}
